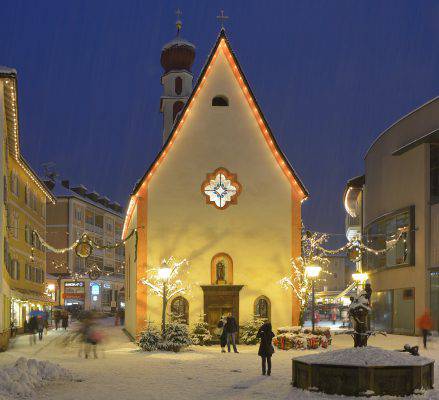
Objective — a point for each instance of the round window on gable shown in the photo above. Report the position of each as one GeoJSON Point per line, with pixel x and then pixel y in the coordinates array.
{"type": "Point", "coordinates": [220, 101]}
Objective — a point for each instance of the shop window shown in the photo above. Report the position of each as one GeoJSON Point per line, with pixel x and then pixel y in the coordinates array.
{"type": "Point", "coordinates": [382, 310]}
{"type": "Point", "coordinates": [262, 308]}
{"type": "Point", "coordinates": [434, 297]}
{"type": "Point", "coordinates": [220, 101]}
{"type": "Point", "coordinates": [106, 297]}
{"type": "Point", "coordinates": [404, 311]}
{"type": "Point", "coordinates": [178, 85]}
{"type": "Point", "coordinates": [381, 234]}
{"type": "Point", "coordinates": [180, 309]}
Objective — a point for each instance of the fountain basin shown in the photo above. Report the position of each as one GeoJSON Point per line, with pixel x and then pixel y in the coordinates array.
{"type": "Point", "coordinates": [363, 371]}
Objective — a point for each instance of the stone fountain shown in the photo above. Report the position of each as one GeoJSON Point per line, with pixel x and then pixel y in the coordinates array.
{"type": "Point", "coordinates": [363, 370]}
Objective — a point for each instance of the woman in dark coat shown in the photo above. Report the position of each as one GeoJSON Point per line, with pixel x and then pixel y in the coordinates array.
{"type": "Point", "coordinates": [65, 319]}
{"type": "Point", "coordinates": [266, 348]}
{"type": "Point", "coordinates": [223, 336]}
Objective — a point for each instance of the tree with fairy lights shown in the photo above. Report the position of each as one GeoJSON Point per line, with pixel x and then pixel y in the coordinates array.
{"type": "Point", "coordinates": [303, 269]}
{"type": "Point", "coordinates": [166, 282]}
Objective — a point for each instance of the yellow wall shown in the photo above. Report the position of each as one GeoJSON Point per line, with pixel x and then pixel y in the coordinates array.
{"type": "Point", "coordinates": [257, 232]}
{"type": "Point", "coordinates": [18, 247]}
{"type": "Point", "coordinates": [4, 289]}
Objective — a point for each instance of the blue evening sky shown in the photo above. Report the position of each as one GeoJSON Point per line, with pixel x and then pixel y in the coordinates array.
{"type": "Point", "coordinates": [329, 76]}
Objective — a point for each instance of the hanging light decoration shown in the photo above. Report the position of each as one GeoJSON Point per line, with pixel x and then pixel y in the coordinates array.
{"type": "Point", "coordinates": [84, 248]}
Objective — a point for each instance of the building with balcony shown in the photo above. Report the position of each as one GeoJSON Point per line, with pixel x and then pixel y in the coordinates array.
{"type": "Point", "coordinates": [399, 197]}
{"type": "Point", "coordinates": [78, 211]}
{"type": "Point", "coordinates": [23, 210]}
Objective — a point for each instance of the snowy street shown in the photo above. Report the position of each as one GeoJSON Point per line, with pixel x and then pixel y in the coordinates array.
{"type": "Point", "coordinates": [124, 372]}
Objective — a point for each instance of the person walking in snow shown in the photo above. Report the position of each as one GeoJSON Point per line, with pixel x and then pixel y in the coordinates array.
{"type": "Point", "coordinates": [425, 324]}
{"type": "Point", "coordinates": [32, 326]}
{"type": "Point", "coordinates": [266, 348]}
{"type": "Point", "coordinates": [65, 319]}
{"type": "Point", "coordinates": [231, 328]}
{"type": "Point", "coordinates": [40, 326]}
{"type": "Point", "coordinates": [223, 334]}
{"type": "Point", "coordinates": [57, 318]}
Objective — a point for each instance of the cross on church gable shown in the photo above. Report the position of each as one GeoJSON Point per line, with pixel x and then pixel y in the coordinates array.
{"type": "Point", "coordinates": [223, 45]}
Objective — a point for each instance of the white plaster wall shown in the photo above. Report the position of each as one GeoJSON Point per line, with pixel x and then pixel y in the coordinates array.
{"type": "Point", "coordinates": [256, 232]}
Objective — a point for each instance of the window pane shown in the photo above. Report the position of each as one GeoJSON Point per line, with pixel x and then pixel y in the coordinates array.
{"type": "Point", "coordinates": [434, 297]}
{"type": "Point", "coordinates": [381, 316]}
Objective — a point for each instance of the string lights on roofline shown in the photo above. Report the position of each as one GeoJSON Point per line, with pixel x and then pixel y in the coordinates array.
{"type": "Point", "coordinates": [222, 45]}
{"type": "Point", "coordinates": [11, 88]}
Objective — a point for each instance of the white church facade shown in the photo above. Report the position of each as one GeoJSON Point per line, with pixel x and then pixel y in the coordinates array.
{"type": "Point", "coordinates": [220, 194]}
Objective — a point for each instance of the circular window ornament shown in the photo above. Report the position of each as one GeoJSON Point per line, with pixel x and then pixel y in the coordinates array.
{"type": "Point", "coordinates": [221, 188]}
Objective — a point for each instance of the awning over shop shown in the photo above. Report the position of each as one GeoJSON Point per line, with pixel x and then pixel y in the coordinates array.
{"type": "Point", "coordinates": [31, 295]}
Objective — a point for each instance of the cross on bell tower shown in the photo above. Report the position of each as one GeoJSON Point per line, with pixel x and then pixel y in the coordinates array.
{"type": "Point", "coordinates": [222, 18]}
{"type": "Point", "coordinates": [178, 23]}
{"type": "Point", "coordinates": [177, 58]}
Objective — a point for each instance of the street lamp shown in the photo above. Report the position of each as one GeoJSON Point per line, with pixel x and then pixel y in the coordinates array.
{"type": "Point", "coordinates": [164, 273]}
{"type": "Point", "coordinates": [360, 278]}
{"type": "Point", "coordinates": [313, 272]}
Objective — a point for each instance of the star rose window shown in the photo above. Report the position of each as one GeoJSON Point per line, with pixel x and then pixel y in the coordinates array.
{"type": "Point", "coordinates": [221, 188]}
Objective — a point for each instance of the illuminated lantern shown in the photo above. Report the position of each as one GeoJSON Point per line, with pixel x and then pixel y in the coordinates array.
{"type": "Point", "coordinates": [84, 248]}
{"type": "Point", "coordinates": [354, 254]}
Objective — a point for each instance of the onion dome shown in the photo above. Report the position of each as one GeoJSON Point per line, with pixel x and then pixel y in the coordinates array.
{"type": "Point", "coordinates": [178, 53]}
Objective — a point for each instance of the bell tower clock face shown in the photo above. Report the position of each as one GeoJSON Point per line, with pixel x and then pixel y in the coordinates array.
{"type": "Point", "coordinates": [221, 188]}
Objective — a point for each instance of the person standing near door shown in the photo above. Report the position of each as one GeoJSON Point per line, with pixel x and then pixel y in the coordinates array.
{"type": "Point", "coordinates": [223, 333]}
{"type": "Point", "coordinates": [231, 328]}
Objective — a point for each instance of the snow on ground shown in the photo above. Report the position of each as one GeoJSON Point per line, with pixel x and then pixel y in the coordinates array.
{"type": "Point", "coordinates": [26, 376]}
{"type": "Point", "coordinates": [124, 372]}
{"type": "Point", "coordinates": [365, 356]}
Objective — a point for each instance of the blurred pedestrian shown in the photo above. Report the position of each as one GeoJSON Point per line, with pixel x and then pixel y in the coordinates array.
{"type": "Point", "coordinates": [57, 318]}
{"type": "Point", "coordinates": [425, 324]}
{"type": "Point", "coordinates": [32, 326]}
{"type": "Point", "coordinates": [40, 326]}
{"type": "Point", "coordinates": [122, 316]}
{"type": "Point", "coordinates": [65, 319]}
{"type": "Point", "coordinates": [266, 348]}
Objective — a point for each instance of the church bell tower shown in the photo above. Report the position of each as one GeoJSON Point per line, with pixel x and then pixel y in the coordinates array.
{"type": "Point", "coordinates": [177, 58]}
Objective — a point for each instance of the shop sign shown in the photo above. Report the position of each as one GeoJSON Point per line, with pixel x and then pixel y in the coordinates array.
{"type": "Point", "coordinates": [74, 284]}
{"type": "Point", "coordinates": [73, 295]}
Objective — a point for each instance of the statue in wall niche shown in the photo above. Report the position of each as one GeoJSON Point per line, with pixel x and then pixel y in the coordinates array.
{"type": "Point", "coordinates": [220, 272]}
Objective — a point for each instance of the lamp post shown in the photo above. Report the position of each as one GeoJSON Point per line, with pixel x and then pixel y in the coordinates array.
{"type": "Point", "coordinates": [360, 278]}
{"type": "Point", "coordinates": [164, 274]}
{"type": "Point", "coordinates": [313, 272]}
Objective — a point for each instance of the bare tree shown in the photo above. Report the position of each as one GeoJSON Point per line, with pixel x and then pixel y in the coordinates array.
{"type": "Point", "coordinates": [166, 282]}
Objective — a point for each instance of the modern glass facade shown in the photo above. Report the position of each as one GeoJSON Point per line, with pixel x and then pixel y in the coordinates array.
{"type": "Point", "coordinates": [434, 297]}
{"type": "Point", "coordinates": [393, 311]}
